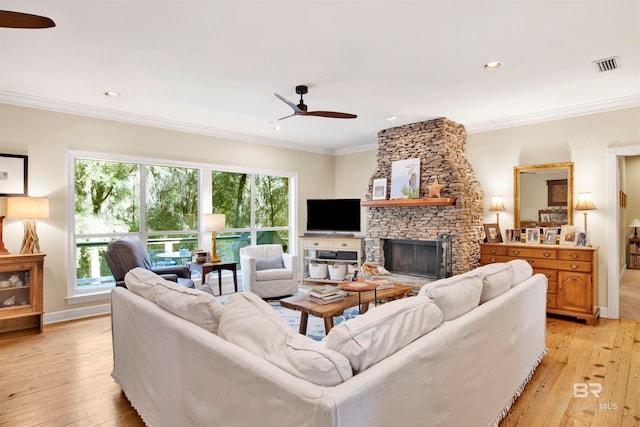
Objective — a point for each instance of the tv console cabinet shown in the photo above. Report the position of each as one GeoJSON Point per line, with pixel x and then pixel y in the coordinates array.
{"type": "Point", "coordinates": [572, 273]}
{"type": "Point", "coordinates": [326, 249]}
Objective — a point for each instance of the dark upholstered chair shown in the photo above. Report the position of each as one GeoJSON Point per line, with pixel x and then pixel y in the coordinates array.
{"type": "Point", "coordinates": [128, 253]}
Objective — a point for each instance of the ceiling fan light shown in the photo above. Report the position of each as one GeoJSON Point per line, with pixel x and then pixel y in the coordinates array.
{"type": "Point", "coordinates": [111, 93]}
{"type": "Point", "coordinates": [390, 118]}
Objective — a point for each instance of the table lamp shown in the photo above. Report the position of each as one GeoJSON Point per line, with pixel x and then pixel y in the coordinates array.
{"type": "Point", "coordinates": [585, 204]}
{"type": "Point", "coordinates": [635, 224]}
{"type": "Point", "coordinates": [214, 223]}
{"type": "Point", "coordinates": [3, 250]}
{"type": "Point", "coordinates": [28, 209]}
{"type": "Point", "coordinates": [497, 206]}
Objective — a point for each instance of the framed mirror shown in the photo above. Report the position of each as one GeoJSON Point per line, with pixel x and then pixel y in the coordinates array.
{"type": "Point", "coordinates": [543, 195]}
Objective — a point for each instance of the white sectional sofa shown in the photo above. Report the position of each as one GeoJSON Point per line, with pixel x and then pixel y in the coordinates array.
{"type": "Point", "coordinates": [436, 359]}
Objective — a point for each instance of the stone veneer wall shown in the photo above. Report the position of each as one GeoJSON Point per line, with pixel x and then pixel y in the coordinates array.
{"type": "Point", "coordinates": [441, 146]}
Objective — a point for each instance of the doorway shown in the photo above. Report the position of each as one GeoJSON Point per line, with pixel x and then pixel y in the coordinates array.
{"type": "Point", "coordinates": [614, 276]}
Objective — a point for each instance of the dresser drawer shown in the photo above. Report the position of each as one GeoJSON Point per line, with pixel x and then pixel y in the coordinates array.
{"type": "Point", "coordinates": [345, 244]}
{"type": "Point", "coordinates": [553, 288]}
{"type": "Point", "coordinates": [583, 267]}
{"type": "Point", "coordinates": [542, 253]}
{"type": "Point", "coordinates": [575, 255]}
{"type": "Point", "coordinates": [317, 244]}
{"type": "Point", "coordinates": [493, 250]}
{"type": "Point", "coordinates": [552, 300]}
{"type": "Point", "coordinates": [490, 259]}
{"type": "Point", "coordinates": [552, 275]}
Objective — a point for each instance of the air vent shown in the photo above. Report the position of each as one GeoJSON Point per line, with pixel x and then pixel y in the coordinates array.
{"type": "Point", "coordinates": [607, 64]}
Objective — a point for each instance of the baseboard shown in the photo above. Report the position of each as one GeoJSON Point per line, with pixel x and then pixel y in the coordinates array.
{"type": "Point", "coordinates": [76, 313]}
{"type": "Point", "coordinates": [603, 312]}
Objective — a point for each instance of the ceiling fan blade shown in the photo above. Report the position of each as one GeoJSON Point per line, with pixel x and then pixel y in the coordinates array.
{"type": "Point", "coordinates": [282, 118]}
{"type": "Point", "coordinates": [10, 19]}
{"type": "Point", "coordinates": [290, 104]}
{"type": "Point", "coordinates": [331, 114]}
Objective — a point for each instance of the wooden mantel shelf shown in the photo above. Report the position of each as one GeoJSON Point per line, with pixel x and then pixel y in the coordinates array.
{"type": "Point", "coordinates": [443, 201]}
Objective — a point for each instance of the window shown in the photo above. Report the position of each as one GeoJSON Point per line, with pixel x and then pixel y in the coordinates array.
{"type": "Point", "coordinates": [257, 210]}
{"type": "Point", "coordinates": [163, 204]}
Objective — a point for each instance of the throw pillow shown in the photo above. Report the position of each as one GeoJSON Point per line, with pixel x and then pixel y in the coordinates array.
{"type": "Point", "coordinates": [522, 270]}
{"type": "Point", "coordinates": [269, 263]}
{"type": "Point", "coordinates": [383, 330]}
{"type": "Point", "coordinates": [251, 323]}
{"type": "Point", "coordinates": [193, 305]}
{"type": "Point", "coordinates": [496, 279]}
{"type": "Point", "coordinates": [456, 295]}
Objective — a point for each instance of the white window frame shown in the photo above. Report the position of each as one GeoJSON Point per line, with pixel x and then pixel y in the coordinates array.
{"type": "Point", "coordinates": [75, 296]}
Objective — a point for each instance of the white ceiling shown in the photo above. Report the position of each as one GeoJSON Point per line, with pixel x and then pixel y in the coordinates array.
{"type": "Point", "coordinates": [212, 66]}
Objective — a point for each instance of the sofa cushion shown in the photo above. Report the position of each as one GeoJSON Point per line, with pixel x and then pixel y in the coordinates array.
{"type": "Point", "coordinates": [196, 306]}
{"type": "Point", "coordinates": [496, 279]}
{"type": "Point", "coordinates": [383, 330]}
{"type": "Point", "coordinates": [269, 263]}
{"type": "Point", "coordinates": [274, 274]}
{"type": "Point", "coordinates": [522, 270]}
{"type": "Point", "coordinates": [142, 282]}
{"type": "Point", "coordinates": [456, 295]}
{"type": "Point", "coordinates": [251, 323]}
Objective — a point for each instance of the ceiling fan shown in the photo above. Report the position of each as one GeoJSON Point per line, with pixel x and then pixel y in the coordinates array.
{"type": "Point", "coordinates": [10, 19]}
{"type": "Point", "coordinates": [301, 108]}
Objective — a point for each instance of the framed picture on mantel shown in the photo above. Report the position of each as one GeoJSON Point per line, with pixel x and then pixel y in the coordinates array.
{"type": "Point", "coordinates": [379, 189]}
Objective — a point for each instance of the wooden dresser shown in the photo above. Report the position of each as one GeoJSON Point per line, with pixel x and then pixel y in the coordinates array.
{"type": "Point", "coordinates": [572, 273]}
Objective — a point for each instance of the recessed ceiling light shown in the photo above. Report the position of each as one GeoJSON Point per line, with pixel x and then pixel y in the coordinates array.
{"type": "Point", "coordinates": [111, 93]}
{"type": "Point", "coordinates": [390, 118]}
{"type": "Point", "coordinates": [492, 65]}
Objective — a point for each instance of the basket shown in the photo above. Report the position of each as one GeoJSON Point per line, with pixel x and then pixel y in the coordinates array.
{"type": "Point", "coordinates": [337, 271]}
{"type": "Point", "coordinates": [318, 271]}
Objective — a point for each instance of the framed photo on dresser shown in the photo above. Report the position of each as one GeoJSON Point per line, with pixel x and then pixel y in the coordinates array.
{"type": "Point", "coordinates": [492, 233]}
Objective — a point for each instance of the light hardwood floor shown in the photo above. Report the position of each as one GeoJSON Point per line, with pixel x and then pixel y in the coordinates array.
{"type": "Point", "coordinates": [62, 377]}
{"type": "Point", "coordinates": [630, 295]}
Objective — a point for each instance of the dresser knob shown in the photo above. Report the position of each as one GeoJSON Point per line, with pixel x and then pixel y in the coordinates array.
{"type": "Point", "coordinates": [548, 276]}
{"type": "Point", "coordinates": [574, 256]}
{"type": "Point", "coordinates": [531, 261]}
{"type": "Point", "coordinates": [493, 260]}
{"type": "Point", "coordinates": [547, 254]}
{"type": "Point", "coordinates": [516, 252]}
{"type": "Point", "coordinates": [315, 244]}
{"type": "Point", "coordinates": [493, 251]}
{"type": "Point", "coordinates": [574, 266]}
{"type": "Point", "coordinates": [343, 245]}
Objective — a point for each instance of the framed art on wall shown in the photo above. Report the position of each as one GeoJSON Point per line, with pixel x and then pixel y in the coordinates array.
{"type": "Point", "coordinates": [379, 189]}
{"type": "Point", "coordinates": [13, 175]}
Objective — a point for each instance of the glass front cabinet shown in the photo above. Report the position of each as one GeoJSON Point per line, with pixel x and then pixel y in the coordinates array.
{"type": "Point", "coordinates": [21, 291]}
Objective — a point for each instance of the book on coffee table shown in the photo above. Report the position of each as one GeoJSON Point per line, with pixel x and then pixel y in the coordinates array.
{"type": "Point", "coordinates": [324, 291]}
{"type": "Point", "coordinates": [327, 299]}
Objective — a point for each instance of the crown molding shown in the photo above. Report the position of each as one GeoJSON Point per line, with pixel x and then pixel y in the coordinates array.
{"type": "Point", "coordinates": [143, 120]}
{"type": "Point", "coordinates": [29, 101]}
{"type": "Point", "coordinates": [557, 114]}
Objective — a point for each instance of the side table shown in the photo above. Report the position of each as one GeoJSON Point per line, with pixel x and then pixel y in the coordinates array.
{"type": "Point", "coordinates": [209, 267]}
{"type": "Point", "coordinates": [360, 287]}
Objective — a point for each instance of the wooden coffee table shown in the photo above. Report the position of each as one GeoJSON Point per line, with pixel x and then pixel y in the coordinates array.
{"type": "Point", "coordinates": [327, 312]}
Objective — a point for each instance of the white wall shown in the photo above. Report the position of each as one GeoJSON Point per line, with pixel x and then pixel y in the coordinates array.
{"type": "Point", "coordinates": [46, 137]}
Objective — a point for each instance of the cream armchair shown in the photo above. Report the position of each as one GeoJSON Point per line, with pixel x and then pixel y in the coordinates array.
{"type": "Point", "coordinates": [267, 271]}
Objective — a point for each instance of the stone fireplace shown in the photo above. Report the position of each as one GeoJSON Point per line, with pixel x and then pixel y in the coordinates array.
{"type": "Point", "coordinates": [440, 145]}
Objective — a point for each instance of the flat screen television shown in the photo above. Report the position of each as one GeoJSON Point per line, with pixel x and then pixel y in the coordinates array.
{"type": "Point", "coordinates": [333, 215]}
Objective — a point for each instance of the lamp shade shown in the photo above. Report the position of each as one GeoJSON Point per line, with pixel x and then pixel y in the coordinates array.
{"type": "Point", "coordinates": [496, 204]}
{"type": "Point", "coordinates": [635, 223]}
{"type": "Point", "coordinates": [27, 208]}
{"type": "Point", "coordinates": [585, 203]}
{"type": "Point", "coordinates": [214, 222]}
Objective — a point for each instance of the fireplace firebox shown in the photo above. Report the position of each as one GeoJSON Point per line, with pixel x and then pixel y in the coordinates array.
{"type": "Point", "coordinates": [431, 258]}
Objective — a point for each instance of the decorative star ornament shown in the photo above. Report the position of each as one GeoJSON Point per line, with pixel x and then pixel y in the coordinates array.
{"type": "Point", "coordinates": [434, 189]}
